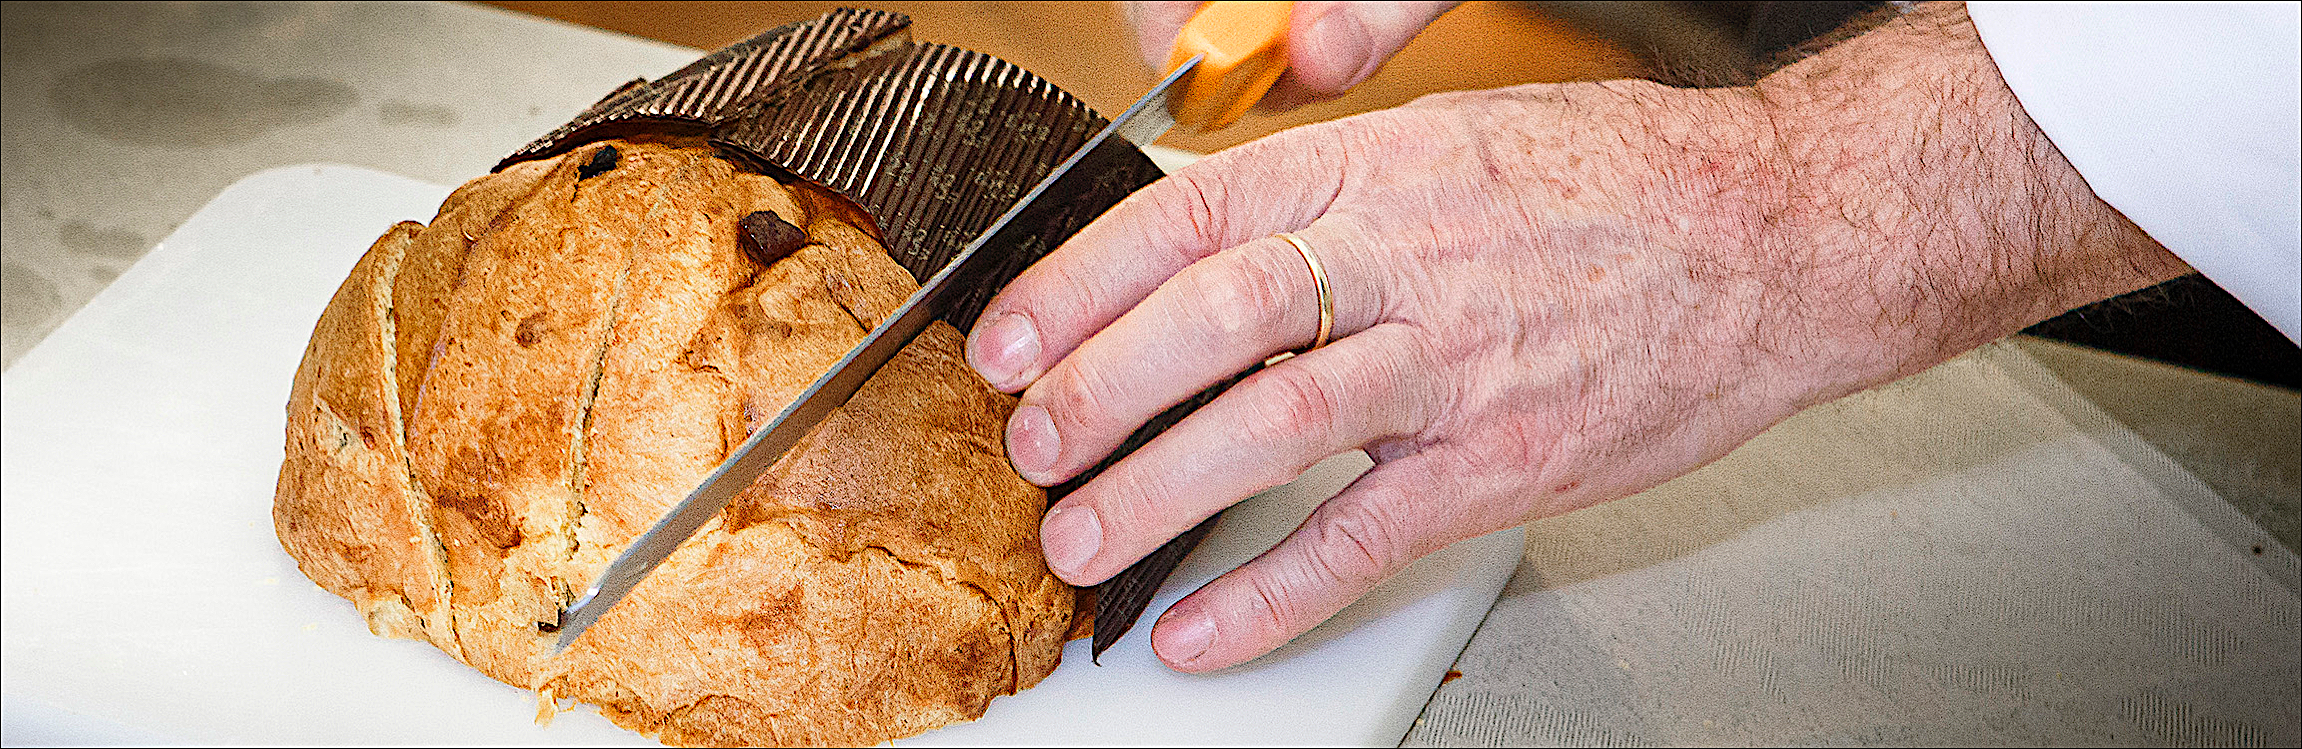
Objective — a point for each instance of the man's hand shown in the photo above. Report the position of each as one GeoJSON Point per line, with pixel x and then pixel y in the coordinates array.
{"type": "Point", "coordinates": [1546, 297]}
{"type": "Point", "coordinates": [1331, 46]}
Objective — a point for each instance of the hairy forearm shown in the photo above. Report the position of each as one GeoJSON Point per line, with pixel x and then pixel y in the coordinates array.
{"type": "Point", "coordinates": [1925, 212]}
{"type": "Point", "coordinates": [1634, 274]}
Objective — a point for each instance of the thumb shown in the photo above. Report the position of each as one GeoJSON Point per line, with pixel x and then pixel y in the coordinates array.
{"type": "Point", "coordinates": [1333, 46]}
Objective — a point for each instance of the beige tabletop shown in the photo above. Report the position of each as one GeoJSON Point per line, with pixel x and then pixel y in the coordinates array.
{"type": "Point", "coordinates": [1991, 551]}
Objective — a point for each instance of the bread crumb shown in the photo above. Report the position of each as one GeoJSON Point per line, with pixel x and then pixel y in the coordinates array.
{"type": "Point", "coordinates": [268, 581]}
{"type": "Point", "coordinates": [312, 627]}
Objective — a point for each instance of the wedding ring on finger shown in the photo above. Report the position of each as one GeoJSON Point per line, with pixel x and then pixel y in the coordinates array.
{"type": "Point", "coordinates": [1326, 297]}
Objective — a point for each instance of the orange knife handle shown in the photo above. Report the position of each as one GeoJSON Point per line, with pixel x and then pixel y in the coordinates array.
{"type": "Point", "coordinates": [1245, 44]}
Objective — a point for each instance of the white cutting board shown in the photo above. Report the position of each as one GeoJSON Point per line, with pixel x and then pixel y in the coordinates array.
{"type": "Point", "coordinates": [144, 598]}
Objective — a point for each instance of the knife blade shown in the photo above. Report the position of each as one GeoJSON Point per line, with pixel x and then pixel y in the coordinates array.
{"type": "Point", "coordinates": [1141, 123]}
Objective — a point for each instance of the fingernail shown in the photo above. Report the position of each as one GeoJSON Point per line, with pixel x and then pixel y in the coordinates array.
{"type": "Point", "coordinates": [1031, 441]}
{"type": "Point", "coordinates": [1070, 536]}
{"type": "Point", "coordinates": [1182, 638]}
{"type": "Point", "coordinates": [1340, 39]}
{"type": "Point", "coordinates": [1002, 348]}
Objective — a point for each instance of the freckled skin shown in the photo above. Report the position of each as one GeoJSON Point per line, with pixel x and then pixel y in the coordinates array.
{"type": "Point", "coordinates": [1546, 297]}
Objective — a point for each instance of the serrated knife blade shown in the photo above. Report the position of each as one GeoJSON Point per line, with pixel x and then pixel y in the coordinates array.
{"type": "Point", "coordinates": [1141, 123]}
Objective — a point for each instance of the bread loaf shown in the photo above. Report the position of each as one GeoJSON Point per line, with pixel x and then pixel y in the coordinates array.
{"type": "Point", "coordinates": [493, 406]}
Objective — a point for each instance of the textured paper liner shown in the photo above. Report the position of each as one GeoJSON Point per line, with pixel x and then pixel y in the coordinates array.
{"type": "Point", "coordinates": [935, 143]}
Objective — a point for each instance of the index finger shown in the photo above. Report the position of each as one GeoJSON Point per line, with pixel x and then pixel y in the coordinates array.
{"type": "Point", "coordinates": [1269, 186]}
{"type": "Point", "coordinates": [1156, 23]}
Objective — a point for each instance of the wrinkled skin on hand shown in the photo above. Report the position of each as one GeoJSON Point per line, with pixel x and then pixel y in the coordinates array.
{"type": "Point", "coordinates": [1525, 325]}
{"type": "Point", "coordinates": [1546, 297]}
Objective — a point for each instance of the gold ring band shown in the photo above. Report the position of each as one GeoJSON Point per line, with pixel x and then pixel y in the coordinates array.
{"type": "Point", "coordinates": [1319, 282]}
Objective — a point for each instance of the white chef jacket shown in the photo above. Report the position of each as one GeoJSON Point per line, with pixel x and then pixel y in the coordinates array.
{"type": "Point", "coordinates": [2184, 117]}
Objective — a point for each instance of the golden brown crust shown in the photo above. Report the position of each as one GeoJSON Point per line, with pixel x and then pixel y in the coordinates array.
{"type": "Point", "coordinates": [435, 260]}
{"type": "Point", "coordinates": [345, 510]}
{"type": "Point", "coordinates": [572, 354]}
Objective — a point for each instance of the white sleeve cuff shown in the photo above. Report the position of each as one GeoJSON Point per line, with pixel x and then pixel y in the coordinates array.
{"type": "Point", "coordinates": [2184, 117]}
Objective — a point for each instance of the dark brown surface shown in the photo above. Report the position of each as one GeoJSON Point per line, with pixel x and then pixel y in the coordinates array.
{"type": "Point", "coordinates": [767, 237]}
{"type": "Point", "coordinates": [936, 142]}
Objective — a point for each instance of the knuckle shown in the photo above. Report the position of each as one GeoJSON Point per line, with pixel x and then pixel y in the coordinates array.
{"type": "Point", "coordinates": [1290, 403]}
{"type": "Point", "coordinates": [1080, 398]}
{"type": "Point", "coordinates": [1419, 372]}
{"type": "Point", "coordinates": [1356, 544]}
{"type": "Point", "coordinates": [1197, 199]}
{"type": "Point", "coordinates": [1065, 293]}
{"type": "Point", "coordinates": [1515, 442]}
{"type": "Point", "coordinates": [1129, 500]}
{"type": "Point", "coordinates": [1273, 606]}
{"type": "Point", "coordinates": [1240, 292]}
{"type": "Point", "coordinates": [1343, 551]}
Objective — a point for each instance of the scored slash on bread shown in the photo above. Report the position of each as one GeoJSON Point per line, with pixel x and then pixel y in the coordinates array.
{"type": "Point", "coordinates": [346, 463]}
{"type": "Point", "coordinates": [494, 405]}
